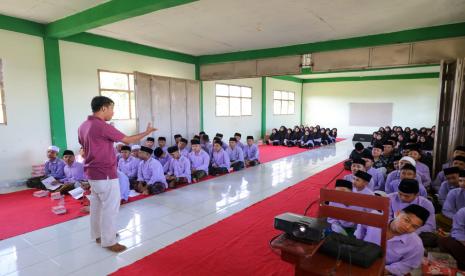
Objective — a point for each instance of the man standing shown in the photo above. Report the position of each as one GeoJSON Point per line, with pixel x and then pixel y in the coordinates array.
{"type": "Point", "coordinates": [97, 138]}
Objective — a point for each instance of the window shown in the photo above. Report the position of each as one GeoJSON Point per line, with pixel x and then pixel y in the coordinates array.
{"type": "Point", "coordinates": [233, 100]}
{"type": "Point", "coordinates": [284, 102]}
{"type": "Point", "coordinates": [120, 88]}
{"type": "Point", "coordinates": [2, 99]}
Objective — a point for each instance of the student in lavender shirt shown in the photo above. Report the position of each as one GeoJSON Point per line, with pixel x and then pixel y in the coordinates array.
{"type": "Point", "coordinates": [251, 153]}
{"type": "Point", "coordinates": [358, 164]}
{"type": "Point", "coordinates": [53, 167]}
{"type": "Point", "coordinates": [149, 142]}
{"type": "Point", "coordinates": [135, 150]}
{"type": "Point", "coordinates": [182, 146]}
{"type": "Point", "coordinates": [74, 173]}
{"type": "Point", "coordinates": [422, 169]}
{"type": "Point", "coordinates": [162, 143]}
{"type": "Point", "coordinates": [163, 157]}
{"type": "Point", "coordinates": [177, 138]}
{"type": "Point", "coordinates": [238, 137]}
{"type": "Point", "coordinates": [407, 172]}
{"type": "Point", "coordinates": [377, 179]}
{"type": "Point", "coordinates": [128, 164]}
{"type": "Point", "coordinates": [409, 194]}
{"type": "Point", "coordinates": [150, 177]}
{"type": "Point", "coordinates": [360, 183]}
{"type": "Point", "coordinates": [458, 151]}
{"type": "Point", "coordinates": [200, 160]}
{"type": "Point", "coordinates": [220, 162]}
{"type": "Point", "coordinates": [404, 249]}
{"type": "Point", "coordinates": [452, 182]}
{"type": "Point", "coordinates": [455, 201]}
{"type": "Point", "coordinates": [236, 155]}
{"type": "Point", "coordinates": [124, 186]}
{"type": "Point", "coordinates": [455, 244]}
{"type": "Point", "coordinates": [207, 146]}
{"type": "Point", "coordinates": [346, 228]}
{"type": "Point", "coordinates": [179, 168]}
{"type": "Point", "coordinates": [396, 173]}
{"type": "Point", "coordinates": [80, 156]}
{"type": "Point", "coordinates": [458, 161]}
{"type": "Point", "coordinates": [220, 136]}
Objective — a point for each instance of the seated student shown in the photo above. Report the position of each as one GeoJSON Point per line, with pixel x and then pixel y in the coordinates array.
{"type": "Point", "coordinates": [358, 151]}
{"type": "Point", "coordinates": [451, 182]}
{"type": "Point", "coordinates": [128, 164]}
{"type": "Point", "coordinates": [316, 136]}
{"type": "Point", "coordinates": [207, 146]}
{"type": "Point", "coordinates": [377, 179]}
{"type": "Point", "coordinates": [404, 249]}
{"type": "Point", "coordinates": [360, 183]}
{"type": "Point", "coordinates": [296, 135]}
{"type": "Point", "coordinates": [458, 161]}
{"type": "Point", "coordinates": [220, 162]}
{"type": "Point", "coordinates": [200, 160]}
{"type": "Point", "coordinates": [422, 169]}
{"type": "Point", "coordinates": [389, 153]}
{"type": "Point", "coordinates": [378, 160]}
{"type": "Point", "coordinates": [236, 155]}
{"type": "Point", "coordinates": [274, 138]}
{"type": "Point", "coordinates": [150, 176]}
{"type": "Point", "coordinates": [337, 225]}
{"type": "Point", "coordinates": [162, 157]}
{"type": "Point", "coordinates": [149, 142]}
{"type": "Point", "coordinates": [238, 137]}
{"type": "Point", "coordinates": [407, 171]}
{"type": "Point", "coordinates": [182, 146]}
{"type": "Point", "coordinates": [282, 134]}
{"type": "Point", "coordinates": [357, 165]}
{"type": "Point", "coordinates": [80, 156]}
{"type": "Point", "coordinates": [179, 168]}
{"type": "Point", "coordinates": [201, 134]}
{"type": "Point", "coordinates": [306, 141]}
{"type": "Point", "coordinates": [74, 173]}
{"type": "Point", "coordinates": [396, 173]}
{"type": "Point", "coordinates": [458, 151]}
{"type": "Point", "coordinates": [124, 186]}
{"type": "Point", "coordinates": [162, 143]}
{"type": "Point", "coordinates": [455, 200]}
{"type": "Point", "coordinates": [118, 151]}
{"type": "Point", "coordinates": [54, 166]}
{"type": "Point", "coordinates": [177, 138]}
{"type": "Point", "coordinates": [288, 138]}
{"type": "Point", "coordinates": [135, 150]}
{"type": "Point", "coordinates": [324, 137]}
{"type": "Point", "coordinates": [220, 137]}
{"type": "Point", "coordinates": [251, 153]}
{"type": "Point", "coordinates": [455, 244]}
{"type": "Point", "coordinates": [408, 194]}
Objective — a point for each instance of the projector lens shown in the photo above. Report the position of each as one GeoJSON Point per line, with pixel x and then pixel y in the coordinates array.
{"type": "Point", "coordinates": [302, 228]}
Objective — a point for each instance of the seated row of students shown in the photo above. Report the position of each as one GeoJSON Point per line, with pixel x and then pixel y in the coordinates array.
{"type": "Point", "coordinates": [302, 136]}
{"type": "Point", "coordinates": [424, 137]}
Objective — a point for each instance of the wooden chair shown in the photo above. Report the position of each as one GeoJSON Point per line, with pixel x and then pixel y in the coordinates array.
{"type": "Point", "coordinates": [307, 259]}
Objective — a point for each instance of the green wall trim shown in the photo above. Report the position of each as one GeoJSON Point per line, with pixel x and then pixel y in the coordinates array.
{"type": "Point", "coordinates": [107, 13]}
{"type": "Point", "coordinates": [382, 77]}
{"type": "Point", "coordinates": [302, 103]}
{"type": "Point", "coordinates": [427, 33]}
{"type": "Point", "coordinates": [21, 26]}
{"type": "Point", "coordinates": [263, 128]}
{"type": "Point", "coordinates": [288, 78]}
{"type": "Point", "coordinates": [308, 71]}
{"type": "Point", "coordinates": [55, 92]}
{"type": "Point", "coordinates": [129, 47]}
{"type": "Point", "coordinates": [197, 77]}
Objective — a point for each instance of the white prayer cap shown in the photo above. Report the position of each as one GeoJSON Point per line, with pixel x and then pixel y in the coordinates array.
{"type": "Point", "coordinates": [410, 160]}
{"type": "Point", "coordinates": [135, 147]}
{"type": "Point", "coordinates": [54, 148]}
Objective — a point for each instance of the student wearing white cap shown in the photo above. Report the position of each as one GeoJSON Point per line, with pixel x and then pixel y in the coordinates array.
{"type": "Point", "coordinates": [54, 166]}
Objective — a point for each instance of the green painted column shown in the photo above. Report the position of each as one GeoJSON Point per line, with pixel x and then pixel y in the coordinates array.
{"type": "Point", "coordinates": [302, 103]}
{"type": "Point", "coordinates": [55, 93]}
{"type": "Point", "coordinates": [197, 77]}
{"type": "Point", "coordinates": [263, 131]}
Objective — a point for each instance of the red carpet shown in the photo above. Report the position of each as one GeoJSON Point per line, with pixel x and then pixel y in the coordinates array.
{"type": "Point", "coordinates": [237, 245]}
{"type": "Point", "coordinates": [26, 213]}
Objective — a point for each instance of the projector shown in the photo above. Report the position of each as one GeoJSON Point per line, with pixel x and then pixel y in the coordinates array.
{"type": "Point", "coordinates": [301, 228]}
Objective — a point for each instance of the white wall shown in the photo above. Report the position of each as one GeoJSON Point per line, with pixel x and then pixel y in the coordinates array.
{"type": "Point", "coordinates": [415, 102]}
{"type": "Point", "coordinates": [79, 65]}
{"type": "Point", "coordinates": [246, 125]}
{"type": "Point", "coordinates": [25, 138]}
{"type": "Point", "coordinates": [275, 121]}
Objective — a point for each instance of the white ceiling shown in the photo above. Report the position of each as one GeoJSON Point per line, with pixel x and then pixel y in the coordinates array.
{"type": "Point", "coordinates": [221, 26]}
{"type": "Point", "coordinates": [45, 11]}
{"type": "Point", "coordinates": [394, 71]}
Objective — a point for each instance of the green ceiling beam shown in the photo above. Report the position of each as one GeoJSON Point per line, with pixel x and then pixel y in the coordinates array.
{"type": "Point", "coordinates": [107, 13]}
{"type": "Point", "coordinates": [21, 26]}
{"type": "Point", "coordinates": [288, 78]}
{"type": "Point", "coordinates": [129, 47]}
{"type": "Point", "coordinates": [381, 77]}
{"type": "Point", "coordinates": [427, 33]}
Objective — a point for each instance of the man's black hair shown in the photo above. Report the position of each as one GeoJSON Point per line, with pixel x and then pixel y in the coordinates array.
{"type": "Point", "coordinates": [100, 101]}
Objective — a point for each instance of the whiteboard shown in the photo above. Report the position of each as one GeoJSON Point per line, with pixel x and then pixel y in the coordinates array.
{"type": "Point", "coordinates": [370, 114]}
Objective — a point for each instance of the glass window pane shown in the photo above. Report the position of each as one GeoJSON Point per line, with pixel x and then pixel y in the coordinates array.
{"type": "Point", "coordinates": [131, 82]}
{"type": "Point", "coordinates": [246, 106]}
{"type": "Point", "coordinates": [222, 106]}
{"type": "Point", "coordinates": [246, 92]}
{"type": "Point", "coordinates": [121, 100]}
{"type": "Point", "coordinates": [234, 91]}
{"type": "Point", "coordinates": [234, 107]}
{"type": "Point", "coordinates": [277, 106]}
{"type": "Point", "coordinates": [277, 95]}
{"type": "Point", "coordinates": [222, 90]}
{"type": "Point", "coordinates": [290, 107]}
{"type": "Point", "coordinates": [110, 80]}
{"type": "Point", "coordinates": [291, 95]}
{"type": "Point", "coordinates": [284, 107]}
{"type": "Point", "coordinates": [284, 95]}
{"type": "Point", "coordinates": [133, 105]}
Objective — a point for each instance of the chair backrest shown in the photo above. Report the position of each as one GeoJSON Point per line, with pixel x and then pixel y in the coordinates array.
{"type": "Point", "coordinates": [359, 217]}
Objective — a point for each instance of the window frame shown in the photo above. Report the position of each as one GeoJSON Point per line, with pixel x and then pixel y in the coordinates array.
{"type": "Point", "coordinates": [2, 95]}
{"type": "Point", "coordinates": [281, 100]}
{"type": "Point", "coordinates": [131, 93]}
{"type": "Point", "coordinates": [229, 97]}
